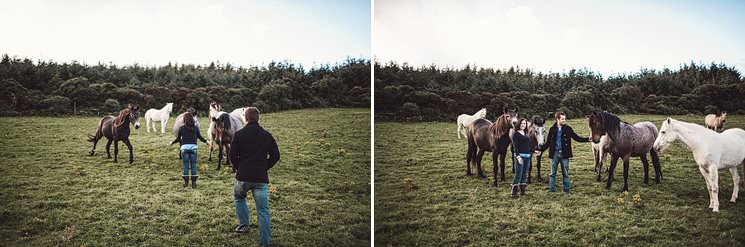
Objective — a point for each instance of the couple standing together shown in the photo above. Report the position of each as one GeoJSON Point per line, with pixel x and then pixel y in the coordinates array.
{"type": "Point", "coordinates": [253, 152]}
{"type": "Point", "coordinates": [559, 148]}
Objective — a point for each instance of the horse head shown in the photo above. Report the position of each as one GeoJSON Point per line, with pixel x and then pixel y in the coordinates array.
{"type": "Point", "coordinates": [168, 108]}
{"type": "Point", "coordinates": [222, 124]}
{"type": "Point", "coordinates": [538, 129]}
{"type": "Point", "coordinates": [595, 120]}
{"type": "Point", "coordinates": [134, 116]}
{"type": "Point", "coordinates": [667, 136]}
{"type": "Point", "coordinates": [214, 109]}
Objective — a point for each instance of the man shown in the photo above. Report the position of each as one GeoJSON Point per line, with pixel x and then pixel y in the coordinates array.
{"type": "Point", "coordinates": [253, 152]}
{"type": "Point", "coordinates": [560, 150]}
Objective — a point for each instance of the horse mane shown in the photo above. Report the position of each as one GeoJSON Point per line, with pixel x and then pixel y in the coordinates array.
{"type": "Point", "coordinates": [611, 123]}
{"type": "Point", "coordinates": [225, 119]}
{"type": "Point", "coordinates": [501, 126]}
{"type": "Point", "coordinates": [123, 115]}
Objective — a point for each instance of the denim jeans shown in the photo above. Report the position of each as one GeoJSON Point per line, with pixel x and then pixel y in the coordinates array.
{"type": "Point", "coordinates": [521, 171]}
{"type": "Point", "coordinates": [260, 193]}
{"type": "Point", "coordinates": [552, 179]}
{"type": "Point", "coordinates": [189, 157]}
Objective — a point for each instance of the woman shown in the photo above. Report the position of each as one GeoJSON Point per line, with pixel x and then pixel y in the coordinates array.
{"type": "Point", "coordinates": [187, 136]}
{"type": "Point", "coordinates": [520, 142]}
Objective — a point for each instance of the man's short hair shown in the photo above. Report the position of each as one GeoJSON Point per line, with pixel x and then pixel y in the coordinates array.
{"type": "Point", "coordinates": [559, 114]}
{"type": "Point", "coordinates": [252, 114]}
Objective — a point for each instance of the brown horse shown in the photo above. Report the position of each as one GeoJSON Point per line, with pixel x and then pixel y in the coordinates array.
{"type": "Point", "coordinates": [116, 129]}
{"type": "Point", "coordinates": [626, 141]}
{"type": "Point", "coordinates": [225, 126]}
{"type": "Point", "coordinates": [483, 136]}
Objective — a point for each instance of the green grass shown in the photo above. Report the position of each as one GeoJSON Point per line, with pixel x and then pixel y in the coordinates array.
{"type": "Point", "coordinates": [423, 198]}
{"type": "Point", "coordinates": [52, 193]}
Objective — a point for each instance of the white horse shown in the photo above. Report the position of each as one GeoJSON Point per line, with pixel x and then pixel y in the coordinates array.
{"type": "Point", "coordinates": [465, 120]}
{"type": "Point", "coordinates": [600, 151]}
{"type": "Point", "coordinates": [239, 113]}
{"type": "Point", "coordinates": [162, 115]}
{"type": "Point", "coordinates": [214, 112]}
{"type": "Point", "coordinates": [711, 150]}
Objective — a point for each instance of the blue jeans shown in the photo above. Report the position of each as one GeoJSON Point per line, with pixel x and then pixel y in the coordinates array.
{"type": "Point", "coordinates": [552, 179]}
{"type": "Point", "coordinates": [189, 157]}
{"type": "Point", "coordinates": [521, 171]}
{"type": "Point", "coordinates": [260, 192]}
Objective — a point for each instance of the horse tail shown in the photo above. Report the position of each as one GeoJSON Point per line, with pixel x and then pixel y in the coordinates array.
{"type": "Point", "coordinates": [99, 132]}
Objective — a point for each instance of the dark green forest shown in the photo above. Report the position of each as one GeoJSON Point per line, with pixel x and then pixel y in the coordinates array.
{"type": "Point", "coordinates": [403, 92]}
{"type": "Point", "coordinates": [53, 88]}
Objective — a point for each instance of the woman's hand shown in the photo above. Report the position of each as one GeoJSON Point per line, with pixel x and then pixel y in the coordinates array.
{"type": "Point", "coordinates": [519, 160]}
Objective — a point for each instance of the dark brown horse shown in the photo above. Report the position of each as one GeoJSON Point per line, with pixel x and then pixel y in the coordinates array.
{"type": "Point", "coordinates": [116, 129]}
{"type": "Point", "coordinates": [483, 136]}
{"type": "Point", "coordinates": [626, 141]}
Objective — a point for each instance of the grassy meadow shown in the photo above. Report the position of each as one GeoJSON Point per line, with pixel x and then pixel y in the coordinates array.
{"type": "Point", "coordinates": [423, 198]}
{"type": "Point", "coordinates": [53, 193]}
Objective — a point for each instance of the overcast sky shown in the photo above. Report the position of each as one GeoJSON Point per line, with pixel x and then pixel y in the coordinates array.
{"type": "Point", "coordinates": [609, 37]}
{"type": "Point", "coordinates": [186, 31]}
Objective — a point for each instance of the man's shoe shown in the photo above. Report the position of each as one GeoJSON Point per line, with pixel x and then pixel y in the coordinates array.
{"type": "Point", "coordinates": [241, 229]}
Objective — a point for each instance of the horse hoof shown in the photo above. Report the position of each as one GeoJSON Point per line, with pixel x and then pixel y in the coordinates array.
{"type": "Point", "coordinates": [92, 153]}
{"type": "Point", "coordinates": [494, 184]}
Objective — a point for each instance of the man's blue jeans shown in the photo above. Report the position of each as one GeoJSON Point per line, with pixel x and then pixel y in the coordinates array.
{"type": "Point", "coordinates": [552, 179]}
{"type": "Point", "coordinates": [260, 193]}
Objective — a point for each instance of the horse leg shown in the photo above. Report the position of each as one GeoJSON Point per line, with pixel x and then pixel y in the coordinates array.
{"type": "Point", "coordinates": [163, 126]}
{"type": "Point", "coordinates": [538, 167]}
{"type": "Point", "coordinates": [211, 144]}
{"type": "Point", "coordinates": [596, 155]}
{"type": "Point", "coordinates": [502, 165]}
{"type": "Point", "coordinates": [656, 165]}
{"type": "Point", "coordinates": [625, 173]}
{"type": "Point", "coordinates": [95, 141]}
{"type": "Point", "coordinates": [495, 163]}
{"type": "Point", "coordinates": [645, 164]}
{"type": "Point", "coordinates": [470, 155]}
{"type": "Point", "coordinates": [714, 174]}
{"type": "Point", "coordinates": [108, 145]}
{"type": "Point", "coordinates": [219, 155]}
{"type": "Point", "coordinates": [479, 156]}
{"type": "Point", "coordinates": [129, 146]}
{"type": "Point", "coordinates": [706, 176]}
{"type": "Point", "coordinates": [459, 130]}
{"type": "Point", "coordinates": [147, 123]}
{"type": "Point", "coordinates": [530, 172]}
{"type": "Point", "coordinates": [613, 163]}
{"type": "Point", "coordinates": [736, 181]}
{"type": "Point", "coordinates": [116, 150]}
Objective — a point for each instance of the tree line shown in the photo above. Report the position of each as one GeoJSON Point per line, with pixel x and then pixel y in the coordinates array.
{"type": "Point", "coordinates": [51, 88]}
{"type": "Point", "coordinates": [427, 93]}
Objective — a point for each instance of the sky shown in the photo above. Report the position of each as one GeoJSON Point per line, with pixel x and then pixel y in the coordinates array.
{"type": "Point", "coordinates": [607, 37]}
{"type": "Point", "coordinates": [155, 32]}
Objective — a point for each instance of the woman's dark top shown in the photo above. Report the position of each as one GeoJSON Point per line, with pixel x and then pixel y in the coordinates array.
{"type": "Point", "coordinates": [188, 135]}
{"type": "Point", "coordinates": [521, 143]}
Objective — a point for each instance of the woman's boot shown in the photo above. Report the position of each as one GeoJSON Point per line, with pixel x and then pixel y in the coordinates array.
{"type": "Point", "coordinates": [186, 181]}
{"type": "Point", "coordinates": [194, 182]}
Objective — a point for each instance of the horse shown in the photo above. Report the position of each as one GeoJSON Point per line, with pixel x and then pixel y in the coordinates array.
{"type": "Point", "coordinates": [239, 113]}
{"type": "Point", "coordinates": [600, 153]}
{"type": "Point", "coordinates": [116, 129]}
{"type": "Point", "coordinates": [626, 141]}
{"type": "Point", "coordinates": [483, 136]}
{"type": "Point", "coordinates": [465, 120]}
{"type": "Point", "coordinates": [214, 112]}
{"type": "Point", "coordinates": [711, 150]}
{"type": "Point", "coordinates": [536, 135]}
{"type": "Point", "coordinates": [162, 115]}
{"type": "Point", "coordinates": [225, 126]}
{"type": "Point", "coordinates": [180, 122]}
{"type": "Point", "coordinates": [715, 123]}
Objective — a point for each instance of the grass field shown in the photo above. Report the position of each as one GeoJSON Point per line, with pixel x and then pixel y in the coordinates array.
{"type": "Point", "coordinates": [423, 198]}
{"type": "Point", "coordinates": [54, 194]}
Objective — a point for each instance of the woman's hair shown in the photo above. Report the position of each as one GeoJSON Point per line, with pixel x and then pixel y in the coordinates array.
{"type": "Point", "coordinates": [520, 122]}
{"type": "Point", "coordinates": [188, 120]}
